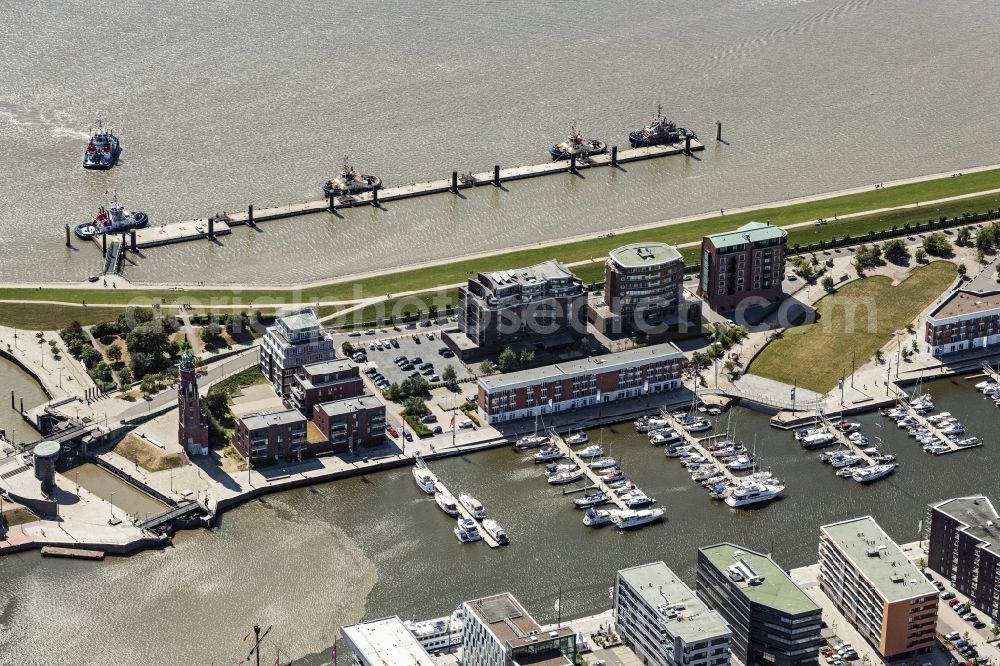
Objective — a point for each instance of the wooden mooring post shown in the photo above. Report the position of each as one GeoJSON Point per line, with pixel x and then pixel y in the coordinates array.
{"type": "Point", "coordinates": [454, 182]}
{"type": "Point", "coordinates": [496, 175]}
{"type": "Point", "coordinates": [614, 156]}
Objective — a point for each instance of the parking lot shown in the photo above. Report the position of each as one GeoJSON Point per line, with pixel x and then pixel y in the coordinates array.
{"type": "Point", "coordinates": [383, 346]}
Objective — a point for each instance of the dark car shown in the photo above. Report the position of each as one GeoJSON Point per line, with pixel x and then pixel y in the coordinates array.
{"type": "Point", "coordinates": [428, 418]}
{"type": "Point", "coordinates": [437, 430]}
{"type": "Point", "coordinates": [979, 624]}
{"type": "Point", "coordinates": [448, 354]}
{"type": "Point", "coordinates": [395, 343]}
{"type": "Point", "coordinates": [416, 360]}
{"type": "Point", "coordinates": [948, 595]}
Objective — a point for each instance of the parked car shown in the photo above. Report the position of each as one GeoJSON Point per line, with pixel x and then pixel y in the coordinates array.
{"type": "Point", "coordinates": [948, 595]}
{"type": "Point", "coordinates": [448, 353]}
{"type": "Point", "coordinates": [952, 636]}
{"type": "Point", "coordinates": [430, 335]}
{"type": "Point", "coordinates": [371, 370]}
{"type": "Point", "coordinates": [354, 334]}
{"type": "Point", "coordinates": [392, 431]}
{"type": "Point", "coordinates": [416, 360]}
{"type": "Point", "coordinates": [466, 423]}
{"type": "Point", "coordinates": [979, 624]}
{"type": "Point", "coordinates": [370, 331]}
{"type": "Point", "coordinates": [428, 418]}
{"type": "Point", "coordinates": [434, 378]}
{"type": "Point", "coordinates": [407, 436]}
{"type": "Point", "coordinates": [406, 367]}
{"type": "Point", "coordinates": [953, 602]}
{"type": "Point", "coordinates": [437, 430]}
{"type": "Point", "coordinates": [395, 343]}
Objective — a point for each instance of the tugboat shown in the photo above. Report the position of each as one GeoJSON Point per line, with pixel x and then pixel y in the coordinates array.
{"type": "Point", "coordinates": [103, 150]}
{"type": "Point", "coordinates": [114, 219]}
{"type": "Point", "coordinates": [659, 131]}
{"type": "Point", "coordinates": [575, 144]}
{"type": "Point", "coordinates": [350, 182]}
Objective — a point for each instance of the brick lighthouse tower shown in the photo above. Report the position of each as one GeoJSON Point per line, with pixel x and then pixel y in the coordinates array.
{"type": "Point", "coordinates": [192, 427]}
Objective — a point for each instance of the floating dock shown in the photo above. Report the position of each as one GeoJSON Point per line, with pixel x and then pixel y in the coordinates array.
{"type": "Point", "coordinates": [846, 442]}
{"type": "Point", "coordinates": [591, 474]}
{"type": "Point", "coordinates": [72, 553]}
{"type": "Point", "coordinates": [697, 445]}
{"type": "Point", "coordinates": [209, 228]}
{"type": "Point", "coordinates": [934, 430]}
{"type": "Point", "coordinates": [489, 540]}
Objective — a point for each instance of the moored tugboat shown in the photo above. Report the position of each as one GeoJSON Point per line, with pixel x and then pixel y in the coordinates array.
{"type": "Point", "coordinates": [111, 220]}
{"type": "Point", "coordinates": [350, 182]}
{"type": "Point", "coordinates": [102, 150]}
{"type": "Point", "coordinates": [659, 131]}
{"type": "Point", "coordinates": [575, 144]}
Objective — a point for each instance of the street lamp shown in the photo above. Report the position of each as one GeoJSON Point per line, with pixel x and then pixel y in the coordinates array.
{"type": "Point", "coordinates": [112, 505]}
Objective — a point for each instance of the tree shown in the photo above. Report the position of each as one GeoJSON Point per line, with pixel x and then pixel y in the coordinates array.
{"type": "Point", "coordinates": [963, 236]}
{"type": "Point", "coordinates": [147, 347]}
{"type": "Point", "coordinates": [210, 332]}
{"type": "Point", "coordinates": [148, 385]}
{"type": "Point", "coordinates": [125, 378]}
{"type": "Point", "coordinates": [216, 403]}
{"type": "Point", "coordinates": [507, 361]}
{"type": "Point", "coordinates": [920, 255]}
{"type": "Point", "coordinates": [414, 406]}
{"type": "Point", "coordinates": [867, 256]}
{"type": "Point", "coordinates": [962, 270]}
{"type": "Point", "coordinates": [236, 323]}
{"type": "Point", "coordinates": [448, 375]}
{"type": "Point", "coordinates": [114, 353]}
{"type": "Point", "coordinates": [90, 357]}
{"type": "Point", "coordinates": [487, 367]}
{"type": "Point", "coordinates": [133, 317]}
{"type": "Point", "coordinates": [922, 563]}
{"type": "Point", "coordinates": [526, 356]}
{"type": "Point", "coordinates": [828, 284]}
{"type": "Point", "coordinates": [347, 348]}
{"type": "Point", "coordinates": [938, 245]}
{"type": "Point", "coordinates": [895, 250]}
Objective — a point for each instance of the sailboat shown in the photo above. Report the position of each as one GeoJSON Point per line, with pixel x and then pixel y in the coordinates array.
{"type": "Point", "coordinates": [532, 441]}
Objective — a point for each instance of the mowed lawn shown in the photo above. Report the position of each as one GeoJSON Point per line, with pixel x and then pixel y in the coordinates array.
{"type": "Point", "coordinates": [859, 318]}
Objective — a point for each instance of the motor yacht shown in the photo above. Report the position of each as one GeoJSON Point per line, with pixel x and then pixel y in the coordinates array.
{"type": "Point", "coordinates": [498, 533]}
{"type": "Point", "coordinates": [466, 531]}
{"type": "Point", "coordinates": [632, 519]}
{"type": "Point", "coordinates": [447, 503]}
{"type": "Point", "coordinates": [473, 506]}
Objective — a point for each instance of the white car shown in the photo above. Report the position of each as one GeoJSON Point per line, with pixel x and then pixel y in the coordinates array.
{"type": "Point", "coordinates": [465, 423]}
{"type": "Point", "coordinates": [953, 636]}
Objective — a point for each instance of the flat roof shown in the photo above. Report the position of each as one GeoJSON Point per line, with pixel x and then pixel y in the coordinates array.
{"type": "Point", "coordinates": [964, 302]}
{"type": "Point", "coordinates": [266, 419]}
{"type": "Point", "coordinates": [348, 405]}
{"type": "Point", "coordinates": [635, 255]}
{"type": "Point", "coordinates": [879, 559]}
{"type": "Point", "coordinates": [979, 517]}
{"type": "Point", "coordinates": [505, 618]}
{"type": "Point", "coordinates": [753, 232]}
{"type": "Point", "coordinates": [329, 367]}
{"type": "Point", "coordinates": [546, 658]}
{"type": "Point", "coordinates": [590, 364]}
{"type": "Point", "coordinates": [386, 642]}
{"type": "Point", "coordinates": [660, 587]}
{"type": "Point", "coordinates": [302, 321]}
{"type": "Point", "coordinates": [776, 590]}
{"type": "Point", "coordinates": [552, 269]}
{"type": "Point", "coordinates": [986, 280]}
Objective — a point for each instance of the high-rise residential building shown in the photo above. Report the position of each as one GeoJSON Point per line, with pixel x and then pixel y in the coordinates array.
{"type": "Point", "coordinates": [544, 304]}
{"type": "Point", "coordinates": [291, 343]}
{"type": "Point", "coordinates": [499, 632]}
{"type": "Point", "coordinates": [664, 623]}
{"type": "Point", "coordinates": [743, 267]}
{"type": "Point", "coordinates": [964, 547]}
{"type": "Point", "coordinates": [773, 621]}
{"type": "Point", "coordinates": [877, 588]}
{"type": "Point", "coordinates": [644, 291]}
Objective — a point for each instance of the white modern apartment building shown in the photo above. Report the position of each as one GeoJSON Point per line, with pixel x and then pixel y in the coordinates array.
{"type": "Point", "coordinates": [499, 632]}
{"type": "Point", "coordinates": [291, 343]}
{"type": "Point", "coordinates": [385, 641]}
{"type": "Point", "coordinates": [877, 588]}
{"type": "Point", "coordinates": [664, 623]}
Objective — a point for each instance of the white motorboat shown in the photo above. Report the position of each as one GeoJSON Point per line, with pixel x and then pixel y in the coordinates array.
{"type": "Point", "coordinates": [562, 478]}
{"type": "Point", "coordinates": [553, 468]}
{"type": "Point", "coordinates": [611, 474]}
{"type": "Point", "coordinates": [591, 451]}
{"type": "Point", "coordinates": [701, 425]}
{"type": "Point", "coordinates": [577, 438]}
{"type": "Point", "coordinates": [597, 517]}
{"type": "Point", "coordinates": [466, 531]}
{"type": "Point", "coordinates": [953, 429]}
{"type": "Point", "coordinates": [753, 493]}
{"type": "Point", "coordinates": [493, 528]}
{"type": "Point", "coordinates": [664, 437]}
{"type": "Point", "coordinates": [603, 463]}
{"type": "Point", "coordinates": [447, 503]}
{"type": "Point", "coordinates": [845, 460]}
{"type": "Point", "coordinates": [677, 451]}
{"type": "Point", "coordinates": [636, 499]}
{"type": "Point", "coordinates": [630, 519]}
{"type": "Point", "coordinates": [531, 442]}
{"type": "Point", "coordinates": [548, 454]}
{"type": "Point", "coordinates": [647, 423]}
{"type": "Point", "coordinates": [937, 449]}
{"type": "Point", "coordinates": [802, 433]}
{"type": "Point", "coordinates": [705, 474]}
{"type": "Point", "coordinates": [969, 441]}
{"type": "Point", "coordinates": [596, 498]}
{"type": "Point", "coordinates": [983, 384]}
{"type": "Point", "coordinates": [872, 472]}
{"type": "Point", "coordinates": [848, 427]}
{"type": "Point", "coordinates": [741, 463]}
{"type": "Point", "coordinates": [817, 440]}
{"type": "Point", "coordinates": [473, 506]}
{"type": "Point", "coordinates": [425, 479]}
{"type": "Point", "coordinates": [941, 416]}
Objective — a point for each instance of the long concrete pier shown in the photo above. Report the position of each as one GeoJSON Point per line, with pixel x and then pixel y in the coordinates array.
{"type": "Point", "coordinates": [208, 228]}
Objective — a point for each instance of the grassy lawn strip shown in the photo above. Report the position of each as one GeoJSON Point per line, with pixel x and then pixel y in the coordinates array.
{"type": "Point", "coordinates": [458, 271]}
{"type": "Point", "coordinates": [52, 317]}
{"type": "Point", "coordinates": [147, 456]}
{"type": "Point", "coordinates": [860, 317]}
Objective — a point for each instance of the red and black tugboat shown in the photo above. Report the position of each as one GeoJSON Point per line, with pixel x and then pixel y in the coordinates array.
{"type": "Point", "coordinates": [111, 220]}
{"type": "Point", "coordinates": [350, 182]}
{"type": "Point", "coordinates": [576, 145]}
{"type": "Point", "coordinates": [659, 132]}
{"type": "Point", "coordinates": [102, 150]}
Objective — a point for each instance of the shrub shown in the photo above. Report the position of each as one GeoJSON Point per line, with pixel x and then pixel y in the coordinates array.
{"type": "Point", "coordinates": [938, 245]}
